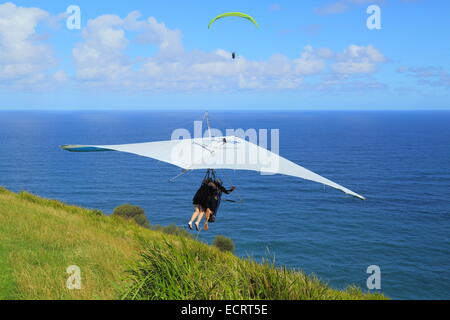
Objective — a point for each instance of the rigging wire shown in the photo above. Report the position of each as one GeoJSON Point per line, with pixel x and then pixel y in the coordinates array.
{"type": "Point", "coordinates": [236, 191]}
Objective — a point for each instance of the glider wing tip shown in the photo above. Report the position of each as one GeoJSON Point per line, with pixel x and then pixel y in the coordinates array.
{"type": "Point", "coordinates": [354, 194]}
{"type": "Point", "coordinates": [361, 197]}
{"type": "Point", "coordinates": [65, 147]}
{"type": "Point", "coordinates": [81, 148]}
{"type": "Point", "coordinates": [71, 147]}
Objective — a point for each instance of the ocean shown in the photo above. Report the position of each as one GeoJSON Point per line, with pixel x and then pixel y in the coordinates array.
{"type": "Point", "coordinates": [400, 161]}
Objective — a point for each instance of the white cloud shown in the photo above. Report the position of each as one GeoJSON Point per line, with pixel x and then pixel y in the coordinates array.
{"type": "Point", "coordinates": [24, 58]}
{"type": "Point", "coordinates": [60, 76]}
{"type": "Point", "coordinates": [332, 8]}
{"type": "Point", "coordinates": [275, 7]}
{"type": "Point", "coordinates": [357, 59]}
{"type": "Point", "coordinates": [151, 31]}
{"type": "Point", "coordinates": [341, 6]}
{"type": "Point", "coordinates": [101, 60]}
{"type": "Point", "coordinates": [312, 61]}
{"type": "Point", "coordinates": [432, 76]}
{"type": "Point", "coordinates": [101, 55]}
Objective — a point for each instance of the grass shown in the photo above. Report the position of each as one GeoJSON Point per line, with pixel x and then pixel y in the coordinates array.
{"type": "Point", "coordinates": [193, 271]}
{"type": "Point", "coordinates": [41, 238]}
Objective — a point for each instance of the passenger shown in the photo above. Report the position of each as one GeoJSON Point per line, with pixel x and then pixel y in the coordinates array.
{"type": "Point", "coordinates": [200, 202]}
{"type": "Point", "coordinates": [216, 190]}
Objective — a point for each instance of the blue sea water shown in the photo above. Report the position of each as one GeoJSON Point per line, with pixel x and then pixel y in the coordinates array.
{"type": "Point", "coordinates": [399, 160]}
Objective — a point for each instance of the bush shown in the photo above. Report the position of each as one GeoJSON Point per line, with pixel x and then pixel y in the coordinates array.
{"type": "Point", "coordinates": [135, 213]}
{"type": "Point", "coordinates": [96, 212]}
{"type": "Point", "coordinates": [224, 244]}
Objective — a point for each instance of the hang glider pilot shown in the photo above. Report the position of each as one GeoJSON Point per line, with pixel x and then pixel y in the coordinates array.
{"type": "Point", "coordinates": [207, 201]}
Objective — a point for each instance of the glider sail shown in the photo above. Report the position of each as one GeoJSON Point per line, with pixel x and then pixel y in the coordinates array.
{"type": "Point", "coordinates": [234, 14]}
{"type": "Point", "coordinates": [231, 153]}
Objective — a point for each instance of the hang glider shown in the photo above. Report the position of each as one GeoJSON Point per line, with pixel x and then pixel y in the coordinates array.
{"type": "Point", "coordinates": [232, 153]}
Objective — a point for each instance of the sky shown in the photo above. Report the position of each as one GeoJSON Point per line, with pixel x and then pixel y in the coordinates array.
{"type": "Point", "coordinates": [157, 55]}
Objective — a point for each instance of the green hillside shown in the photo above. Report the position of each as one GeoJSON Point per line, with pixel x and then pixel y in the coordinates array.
{"type": "Point", "coordinates": [40, 239]}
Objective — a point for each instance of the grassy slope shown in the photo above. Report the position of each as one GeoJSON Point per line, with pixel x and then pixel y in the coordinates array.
{"type": "Point", "coordinates": [40, 238]}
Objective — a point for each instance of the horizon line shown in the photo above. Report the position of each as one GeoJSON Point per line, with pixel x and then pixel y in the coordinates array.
{"type": "Point", "coordinates": [224, 109]}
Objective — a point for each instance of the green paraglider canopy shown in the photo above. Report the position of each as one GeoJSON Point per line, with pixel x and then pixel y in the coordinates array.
{"type": "Point", "coordinates": [234, 14]}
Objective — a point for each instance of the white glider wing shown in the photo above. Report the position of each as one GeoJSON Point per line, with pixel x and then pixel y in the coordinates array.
{"type": "Point", "coordinates": [216, 153]}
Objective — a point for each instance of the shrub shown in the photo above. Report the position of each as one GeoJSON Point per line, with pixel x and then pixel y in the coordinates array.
{"type": "Point", "coordinates": [224, 244]}
{"type": "Point", "coordinates": [3, 190]}
{"type": "Point", "coordinates": [135, 213]}
{"type": "Point", "coordinates": [96, 212]}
